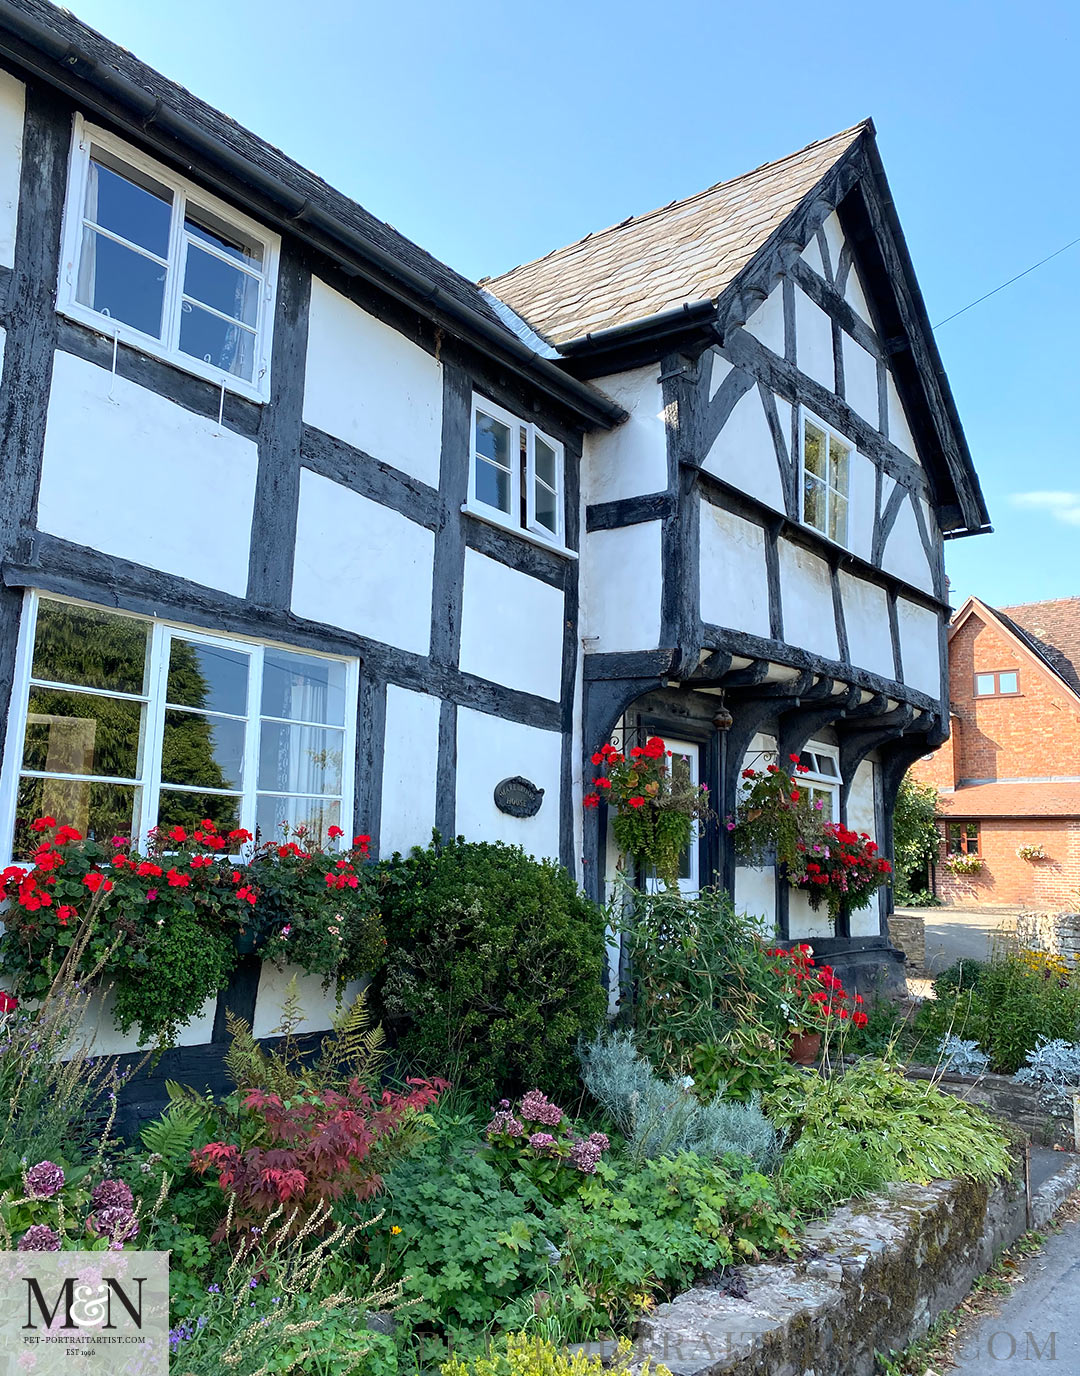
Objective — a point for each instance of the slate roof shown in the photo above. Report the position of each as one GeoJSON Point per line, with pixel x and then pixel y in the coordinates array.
{"type": "Point", "coordinates": [1042, 799]}
{"type": "Point", "coordinates": [687, 251]}
{"type": "Point", "coordinates": [264, 155]}
{"type": "Point", "coordinates": [1052, 629]}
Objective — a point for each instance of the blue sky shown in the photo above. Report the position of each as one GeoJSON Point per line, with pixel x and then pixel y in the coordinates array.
{"type": "Point", "coordinates": [491, 133]}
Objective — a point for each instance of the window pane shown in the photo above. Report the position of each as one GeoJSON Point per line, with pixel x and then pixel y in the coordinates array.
{"type": "Point", "coordinates": [78, 733]}
{"type": "Point", "coordinates": [814, 502]}
{"type": "Point", "coordinates": [303, 688]}
{"type": "Point", "coordinates": [93, 649]}
{"type": "Point", "coordinates": [208, 676]}
{"type": "Point", "coordinates": [129, 203]}
{"type": "Point", "coordinates": [220, 285]}
{"type": "Point", "coordinates": [204, 751]}
{"type": "Point", "coordinates": [545, 508]}
{"type": "Point", "coordinates": [813, 450]}
{"type": "Point", "coordinates": [1008, 683]}
{"type": "Point", "coordinates": [100, 811]}
{"type": "Point", "coordinates": [972, 831]}
{"type": "Point", "coordinates": [493, 440]}
{"type": "Point", "coordinates": [187, 810]}
{"type": "Point", "coordinates": [838, 465]}
{"type": "Point", "coordinates": [121, 283]}
{"type": "Point", "coordinates": [547, 463]}
{"type": "Point", "coordinates": [492, 485]}
{"type": "Point", "coordinates": [316, 815]}
{"type": "Point", "coordinates": [838, 519]}
{"type": "Point", "coordinates": [205, 225]}
{"type": "Point", "coordinates": [217, 342]}
{"type": "Point", "coordinates": [300, 759]}
{"type": "Point", "coordinates": [984, 684]}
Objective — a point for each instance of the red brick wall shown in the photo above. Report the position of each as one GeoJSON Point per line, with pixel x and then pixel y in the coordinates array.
{"type": "Point", "coordinates": [1050, 885]}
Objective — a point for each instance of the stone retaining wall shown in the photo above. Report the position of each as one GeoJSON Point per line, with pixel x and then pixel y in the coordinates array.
{"type": "Point", "coordinates": [873, 1278]}
{"type": "Point", "coordinates": [1020, 1105]}
{"type": "Point", "coordinates": [907, 931]}
{"type": "Point", "coordinates": [1056, 933]}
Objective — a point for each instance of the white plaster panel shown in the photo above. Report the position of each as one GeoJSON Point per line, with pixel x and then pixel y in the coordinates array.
{"type": "Point", "coordinates": [621, 587]}
{"type": "Point", "coordinates": [899, 430]}
{"type": "Point", "coordinates": [834, 237]}
{"type": "Point", "coordinates": [866, 617]}
{"type": "Point", "coordinates": [410, 760]}
{"type": "Point", "coordinates": [132, 474]}
{"type": "Point", "coordinates": [811, 255]}
{"type": "Point", "coordinates": [860, 380]}
{"type": "Point", "coordinates": [803, 921]}
{"type": "Point", "coordinates": [318, 1006]}
{"type": "Point", "coordinates": [755, 894]}
{"type": "Point", "coordinates": [490, 749]}
{"type": "Point", "coordinates": [904, 554]}
{"type": "Point", "coordinates": [919, 647]}
{"type": "Point", "coordinates": [813, 334]}
{"type": "Point", "coordinates": [371, 387]}
{"type": "Point", "coordinates": [767, 322]}
{"type": "Point", "coordinates": [861, 816]}
{"type": "Point", "coordinates": [806, 591]}
{"type": "Point", "coordinates": [734, 582]}
{"type": "Point", "coordinates": [107, 1039]}
{"type": "Point", "coordinates": [12, 111]}
{"type": "Point", "coordinates": [632, 458]}
{"type": "Point", "coordinates": [362, 566]}
{"type": "Point", "coordinates": [744, 455]}
{"type": "Point", "coordinates": [856, 297]}
{"type": "Point", "coordinates": [511, 627]}
{"type": "Point", "coordinates": [720, 369]}
{"type": "Point", "coordinates": [861, 498]}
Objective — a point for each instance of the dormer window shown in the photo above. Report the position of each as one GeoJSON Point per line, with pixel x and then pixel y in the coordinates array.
{"type": "Point", "coordinates": [154, 262]}
{"type": "Point", "coordinates": [825, 456]}
{"type": "Point", "coordinates": [517, 473]}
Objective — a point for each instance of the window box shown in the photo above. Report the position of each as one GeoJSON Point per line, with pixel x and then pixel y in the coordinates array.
{"type": "Point", "coordinates": [151, 261]}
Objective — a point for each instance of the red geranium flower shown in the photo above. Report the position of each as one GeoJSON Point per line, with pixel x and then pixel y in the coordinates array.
{"type": "Point", "coordinates": [636, 801]}
{"type": "Point", "coordinates": [43, 824]}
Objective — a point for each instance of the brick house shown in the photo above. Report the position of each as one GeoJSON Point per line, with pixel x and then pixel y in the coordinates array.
{"type": "Point", "coordinates": [1009, 774]}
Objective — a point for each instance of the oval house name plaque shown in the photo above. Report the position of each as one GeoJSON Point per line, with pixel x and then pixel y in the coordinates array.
{"type": "Point", "coordinates": [518, 797]}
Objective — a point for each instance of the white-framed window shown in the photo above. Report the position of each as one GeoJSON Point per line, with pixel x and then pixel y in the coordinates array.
{"type": "Point", "coordinates": [121, 723]}
{"type": "Point", "coordinates": [822, 778]}
{"type": "Point", "coordinates": [151, 260]}
{"type": "Point", "coordinates": [516, 474]}
{"type": "Point", "coordinates": [826, 456]}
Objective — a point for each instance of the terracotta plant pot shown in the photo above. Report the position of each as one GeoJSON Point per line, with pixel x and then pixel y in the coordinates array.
{"type": "Point", "coordinates": [805, 1047]}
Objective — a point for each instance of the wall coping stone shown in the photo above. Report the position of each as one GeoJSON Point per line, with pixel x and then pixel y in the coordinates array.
{"type": "Point", "coordinates": [873, 1277]}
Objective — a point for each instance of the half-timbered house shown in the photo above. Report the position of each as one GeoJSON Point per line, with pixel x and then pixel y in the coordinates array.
{"type": "Point", "coordinates": [300, 525]}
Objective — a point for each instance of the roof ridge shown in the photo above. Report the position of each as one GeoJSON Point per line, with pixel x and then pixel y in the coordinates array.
{"type": "Point", "coordinates": [853, 130]}
{"type": "Point", "coordinates": [1042, 602]}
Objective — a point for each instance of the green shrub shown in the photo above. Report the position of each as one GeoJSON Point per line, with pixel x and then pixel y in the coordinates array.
{"type": "Point", "coordinates": [908, 1129]}
{"type": "Point", "coordinates": [527, 1354]}
{"type": "Point", "coordinates": [1019, 1005]}
{"type": "Point", "coordinates": [493, 967]}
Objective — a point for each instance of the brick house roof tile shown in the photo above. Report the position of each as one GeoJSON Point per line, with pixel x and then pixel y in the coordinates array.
{"type": "Point", "coordinates": [1052, 629]}
{"type": "Point", "coordinates": [689, 250]}
{"type": "Point", "coordinates": [1043, 799]}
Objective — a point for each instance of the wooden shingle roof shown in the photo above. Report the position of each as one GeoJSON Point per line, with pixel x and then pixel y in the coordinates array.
{"type": "Point", "coordinates": [684, 252]}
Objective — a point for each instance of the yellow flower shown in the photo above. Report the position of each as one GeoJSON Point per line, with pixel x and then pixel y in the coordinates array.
{"type": "Point", "coordinates": [395, 1230]}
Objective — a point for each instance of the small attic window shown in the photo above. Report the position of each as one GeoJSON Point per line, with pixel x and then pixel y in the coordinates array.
{"type": "Point", "coordinates": [997, 683]}
{"type": "Point", "coordinates": [825, 461]}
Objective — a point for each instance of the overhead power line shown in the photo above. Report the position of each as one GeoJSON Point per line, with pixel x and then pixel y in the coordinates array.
{"type": "Point", "coordinates": [1007, 284]}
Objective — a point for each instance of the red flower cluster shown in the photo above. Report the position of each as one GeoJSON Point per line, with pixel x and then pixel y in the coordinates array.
{"type": "Point", "coordinates": [815, 995]}
{"type": "Point", "coordinates": [607, 756]}
{"type": "Point", "coordinates": [848, 862]}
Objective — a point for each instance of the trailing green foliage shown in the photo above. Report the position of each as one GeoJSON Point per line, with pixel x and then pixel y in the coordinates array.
{"type": "Point", "coordinates": [493, 966]}
{"type": "Point", "coordinates": [528, 1354]}
{"type": "Point", "coordinates": [913, 1130]}
{"type": "Point", "coordinates": [664, 1117]}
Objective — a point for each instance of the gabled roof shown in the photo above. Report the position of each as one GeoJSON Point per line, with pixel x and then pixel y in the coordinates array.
{"type": "Point", "coordinates": [1055, 618]}
{"type": "Point", "coordinates": [115, 87]}
{"type": "Point", "coordinates": [1053, 629]}
{"type": "Point", "coordinates": [684, 252]}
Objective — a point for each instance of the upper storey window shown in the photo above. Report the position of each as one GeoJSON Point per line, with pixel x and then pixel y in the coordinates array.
{"type": "Point", "coordinates": [997, 683]}
{"type": "Point", "coordinates": [157, 264]}
{"type": "Point", "coordinates": [517, 473]}
{"type": "Point", "coordinates": [825, 461]}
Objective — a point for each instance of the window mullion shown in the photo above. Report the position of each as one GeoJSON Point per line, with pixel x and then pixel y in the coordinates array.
{"type": "Point", "coordinates": [174, 286]}
{"type": "Point", "coordinates": [160, 645]}
{"type": "Point", "coordinates": [252, 741]}
{"type": "Point", "coordinates": [530, 477]}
